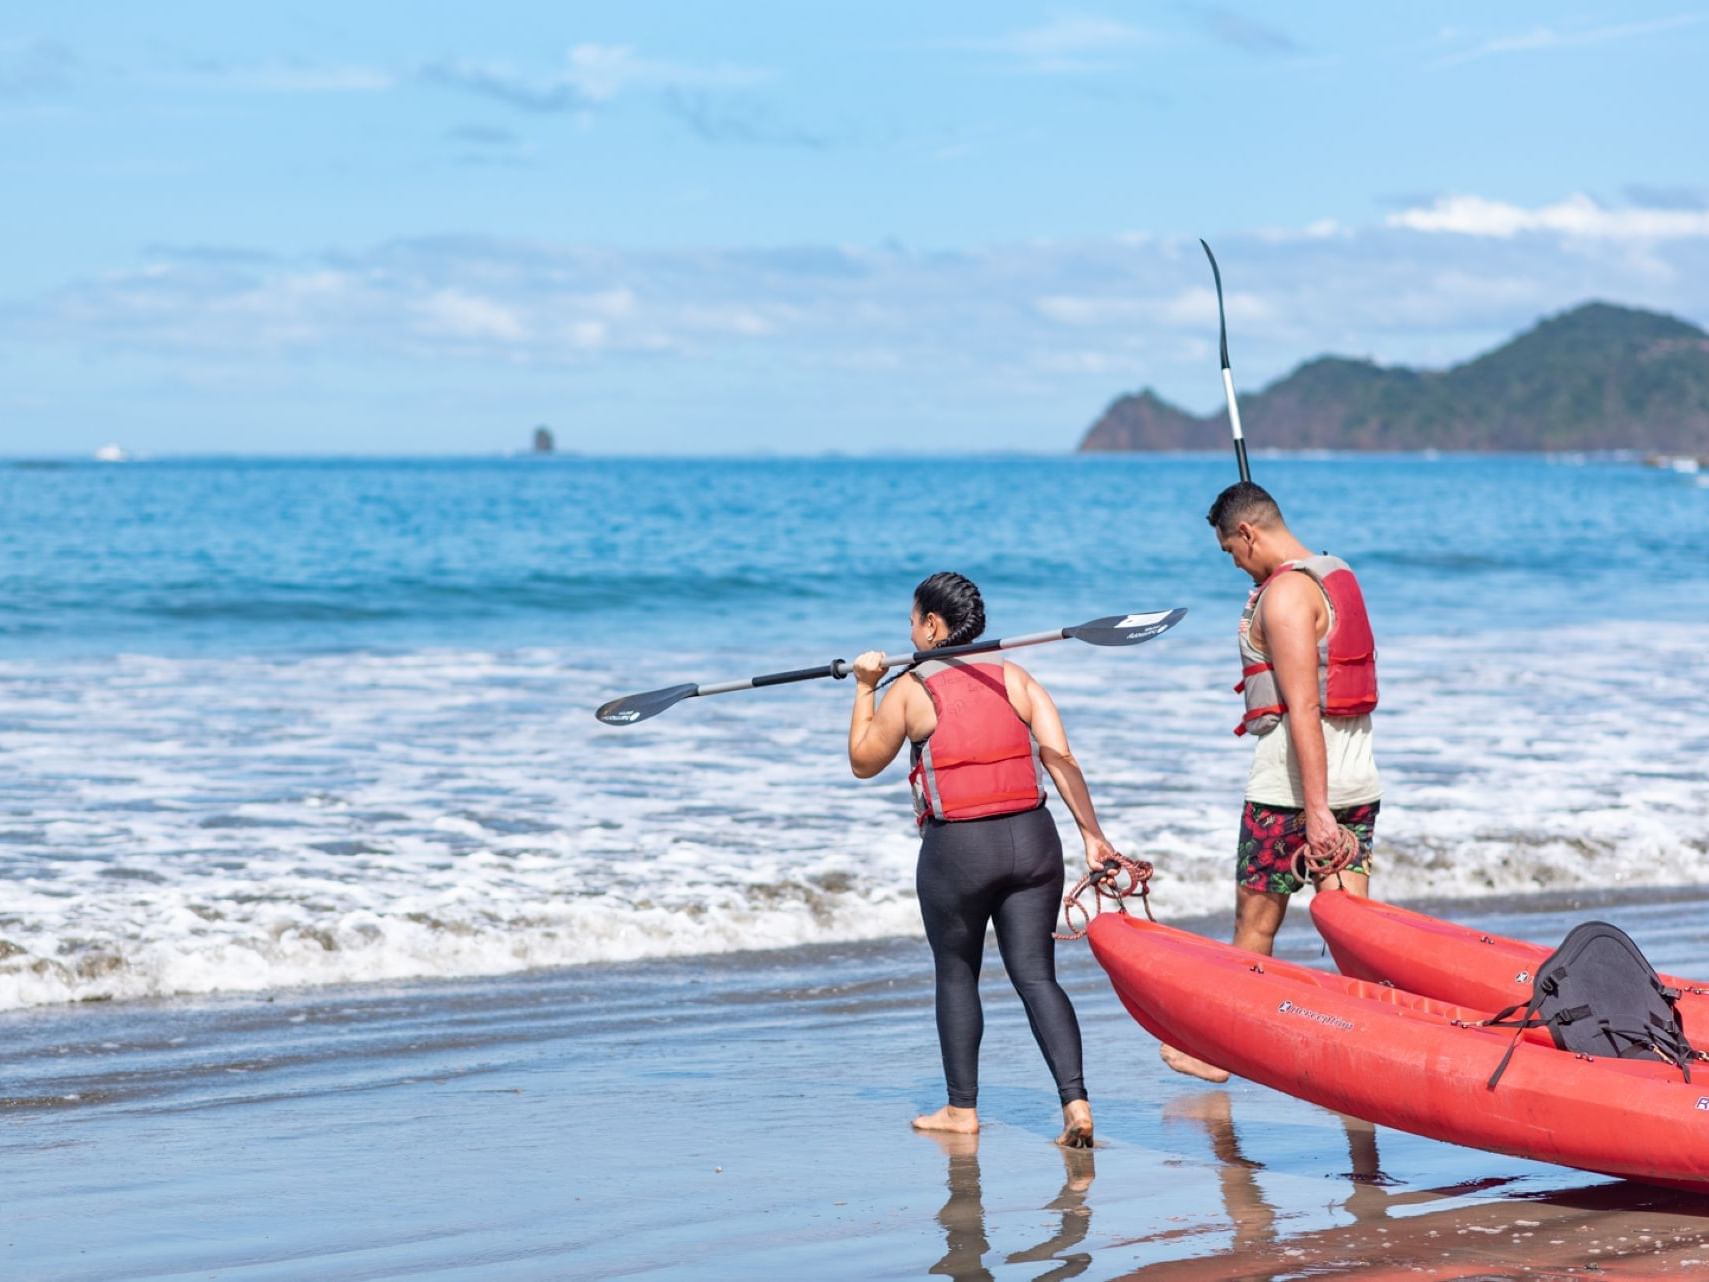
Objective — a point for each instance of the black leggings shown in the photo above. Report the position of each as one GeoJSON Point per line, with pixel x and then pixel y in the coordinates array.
{"type": "Point", "coordinates": [1006, 869]}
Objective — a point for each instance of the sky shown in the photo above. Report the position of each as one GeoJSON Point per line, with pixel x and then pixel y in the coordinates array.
{"type": "Point", "coordinates": [682, 228]}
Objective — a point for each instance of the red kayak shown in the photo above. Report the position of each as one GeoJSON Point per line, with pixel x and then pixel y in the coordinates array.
{"type": "Point", "coordinates": [1398, 1059]}
{"type": "Point", "coordinates": [1377, 941]}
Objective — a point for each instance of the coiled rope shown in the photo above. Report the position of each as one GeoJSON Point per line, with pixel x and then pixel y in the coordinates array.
{"type": "Point", "coordinates": [1115, 879]}
{"type": "Point", "coordinates": [1310, 867]}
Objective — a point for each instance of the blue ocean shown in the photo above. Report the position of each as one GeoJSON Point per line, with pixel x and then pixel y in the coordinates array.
{"type": "Point", "coordinates": [271, 723]}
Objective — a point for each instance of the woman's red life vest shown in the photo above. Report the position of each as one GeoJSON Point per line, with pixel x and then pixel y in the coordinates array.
{"type": "Point", "coordinates": [1346, 656]}
{"type": "Point", "coordinates": [981, 760]}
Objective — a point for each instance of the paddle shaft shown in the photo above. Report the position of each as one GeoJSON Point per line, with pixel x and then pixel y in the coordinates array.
{"type": "Point", "coordinates": [840, 668]}
{"type": "Point", "coordinates": [1227, 374]}
{"type": "Point", "coordinates": [1234, 425]}
{"type": "Point", "coordinates": [1115, 630]}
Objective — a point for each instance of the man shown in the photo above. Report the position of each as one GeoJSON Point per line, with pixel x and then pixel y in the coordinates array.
{"type": "Point", "coordinates": [1309, 674]}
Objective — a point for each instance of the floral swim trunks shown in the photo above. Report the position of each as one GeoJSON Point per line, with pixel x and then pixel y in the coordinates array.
{"type": "Point", "coordinates": [1270, 836]}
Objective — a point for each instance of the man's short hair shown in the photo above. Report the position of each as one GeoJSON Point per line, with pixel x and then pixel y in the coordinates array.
{"type": "Point", "coordinates": [1243, 501]}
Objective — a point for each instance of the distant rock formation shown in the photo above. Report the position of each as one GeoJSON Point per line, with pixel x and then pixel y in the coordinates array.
{"type": "Point", "coordinates": [1598, 377]}
{"type": "Point", "coordinates": [543, 443]}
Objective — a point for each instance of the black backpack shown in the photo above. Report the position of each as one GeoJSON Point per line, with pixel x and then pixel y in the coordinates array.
{"type": "Point", "coordinates": [1597, 995]}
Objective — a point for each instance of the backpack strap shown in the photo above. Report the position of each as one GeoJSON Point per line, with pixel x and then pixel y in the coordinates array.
{"type": "Point", "coordinates": [1679, 1051]}
{"type": "Point", "coordinates": [1518, 1032]}
{"type": "Point", "coordinates": [1662, 1038]}
{"type": "Point", "coordinates": [1668, 1041]}
{"type": "Point", "coordinates": [1501, 1020]}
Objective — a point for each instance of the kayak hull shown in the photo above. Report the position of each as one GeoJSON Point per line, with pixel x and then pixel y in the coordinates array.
{"type": "Point", "coordinates": [1398, 1059]}
{"type": "Point", "coordinates": [1380, 942]}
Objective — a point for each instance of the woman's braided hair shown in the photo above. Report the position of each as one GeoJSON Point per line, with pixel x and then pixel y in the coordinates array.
{"type": "Point", "coordinates": [955, 599]}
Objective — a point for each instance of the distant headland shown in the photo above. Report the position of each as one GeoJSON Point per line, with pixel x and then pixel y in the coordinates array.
{"type": "Point", "coordinates": [1598, 377]}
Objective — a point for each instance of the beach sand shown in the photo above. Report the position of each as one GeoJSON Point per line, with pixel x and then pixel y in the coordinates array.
{"type": "Point", "coordinates": [746, 1116]}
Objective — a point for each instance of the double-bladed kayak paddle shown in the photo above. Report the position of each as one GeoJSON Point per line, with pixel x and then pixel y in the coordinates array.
{"type": "Point", "coordinates": [1117, 629]}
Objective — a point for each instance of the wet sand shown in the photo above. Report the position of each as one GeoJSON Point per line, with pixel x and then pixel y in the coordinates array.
{"type": "Point", "coordinates": [745, 1116]}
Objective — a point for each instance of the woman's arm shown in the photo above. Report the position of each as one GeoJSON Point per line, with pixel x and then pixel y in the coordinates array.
{"type": "Point", "coordinates": [875, 732]}
{"type": "Point", "coordinates": [1033, 704]}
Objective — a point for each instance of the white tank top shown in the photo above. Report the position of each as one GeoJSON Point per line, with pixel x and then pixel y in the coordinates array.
{"type": "Point", "coordinates": [1351, 766]}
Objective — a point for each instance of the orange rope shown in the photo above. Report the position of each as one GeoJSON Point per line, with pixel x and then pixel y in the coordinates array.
{"type": "Point", "coordinates": [1309, 867]}
{"type": "Point", "coordinates": [1106, 882]}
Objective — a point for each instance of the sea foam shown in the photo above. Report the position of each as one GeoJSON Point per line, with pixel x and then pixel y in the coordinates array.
{"type": "Point", "coordinates": [187, 825]}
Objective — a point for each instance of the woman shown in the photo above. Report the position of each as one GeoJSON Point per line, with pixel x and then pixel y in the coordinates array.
{"type": "Point", "coordinates": [989, 849]}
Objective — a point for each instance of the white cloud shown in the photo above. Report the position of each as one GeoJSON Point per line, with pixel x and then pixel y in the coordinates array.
{"type": "Point", "coordinates": [1553, 38]}
{"type": "Point", "coordinates": [610, 303]}
{"type": "Point", "coordinates": [1116, 364]}
{"type": "Point", "coordinates": [424, 300]}
{"type": "Point", "coordinates": [282, 77]}
{"type": "Point", "coordinates": [1195, 305]}
{"type": "Point", "coordinates": [601, 72]}
{"type": "Point", "coordinates": [1318, 229]}
{"type": "Point", "coordinates": [591, 75]}
{"type": "Point", "coordinates": [461, 315]}
{"type": "Point", "coordinates": [1070, 43]}
{"type": "Point", "coordinates": [746, 321]}
{"type": "Point", "coordinates": [1070, 309]}
{"type": "Point", "coordinates": [1576, 216]}
{"type": "Point", "coordinates": [1071, 323]}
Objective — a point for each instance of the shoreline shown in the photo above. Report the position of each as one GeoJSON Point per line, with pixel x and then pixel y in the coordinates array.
{"type": "Point", "coordinates": [748, 1111]}
{"type": "Point", "coordinates": [811, 955]}
{"type": "Point", "coordinates": [1617, 455]}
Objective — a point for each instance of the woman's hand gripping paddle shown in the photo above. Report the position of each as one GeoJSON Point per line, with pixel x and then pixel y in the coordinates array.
{"type": "Point", "coordinates": [1115, 630]}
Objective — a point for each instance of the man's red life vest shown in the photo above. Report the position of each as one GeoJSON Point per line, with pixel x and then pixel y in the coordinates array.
{"type": "Point", "coordinates": [981, 760]}
{"type": "Point", "coordinates": [1346, 656]}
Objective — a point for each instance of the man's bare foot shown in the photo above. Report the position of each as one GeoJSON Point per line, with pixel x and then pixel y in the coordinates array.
{"type": "Point", "coordinates": [957, 1121]}
{"type": "Point", "coordinates": [1076, 1125]}
{"type": "Point", "coordinates": [1182, 1062]}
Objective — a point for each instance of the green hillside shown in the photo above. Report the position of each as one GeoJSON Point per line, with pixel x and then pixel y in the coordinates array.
{"type": "Point", "coordinates": [1598, 377]}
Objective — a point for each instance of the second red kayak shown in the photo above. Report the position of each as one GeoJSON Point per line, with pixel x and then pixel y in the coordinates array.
{"type": "Point", "coordinates": [1405, 1061]}
{"type": "Point", "coordinates": [1435, 958]}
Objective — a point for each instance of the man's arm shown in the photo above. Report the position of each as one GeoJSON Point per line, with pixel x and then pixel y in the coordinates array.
{"type": "Point", "coordinates": [1294, 609]}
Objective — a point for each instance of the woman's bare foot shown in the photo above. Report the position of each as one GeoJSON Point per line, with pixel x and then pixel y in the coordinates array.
{"type": "Point", "coordinates": [957, 1121]}
{"type": "Point", "coordinates": [1182, 1062]}
{"type": "Point", "coordinates": [1076, 1125]}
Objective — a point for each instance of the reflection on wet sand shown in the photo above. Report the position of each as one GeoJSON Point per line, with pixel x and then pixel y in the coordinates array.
{"type": "Point", "coordinates": [1616, 1229]}
{"type": "Point", "coordinates": [1610, 1230]}
{"type": "Point", "coordinates": [1252, 1217]}
{"type": "Point", "coordinates": [963, 1217]}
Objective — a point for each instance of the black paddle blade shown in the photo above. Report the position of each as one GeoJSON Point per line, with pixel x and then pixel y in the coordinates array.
{"type": "Point", "coordinates": [638, 707]}
{"type": "Point", "coordinates": [1126, 629]}
{"type": "Point", "coordinates": [1221, 316]}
